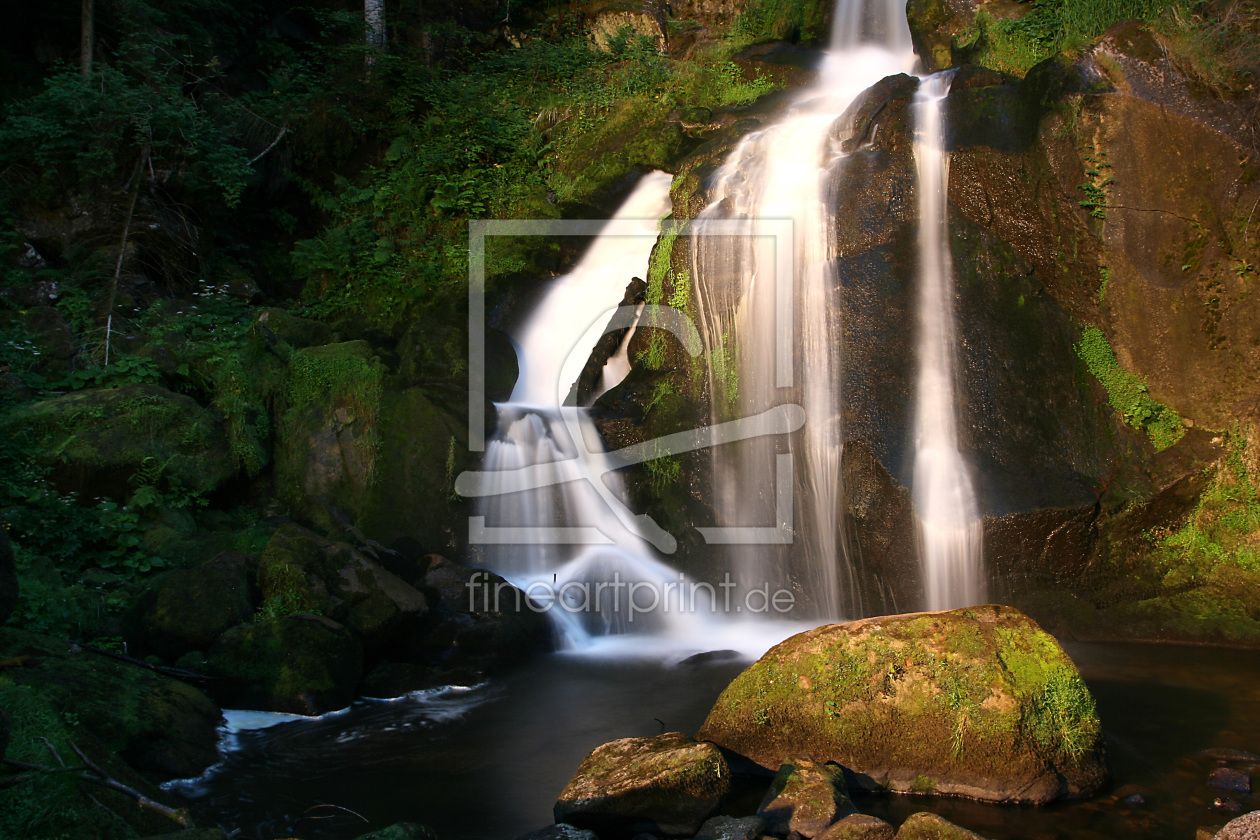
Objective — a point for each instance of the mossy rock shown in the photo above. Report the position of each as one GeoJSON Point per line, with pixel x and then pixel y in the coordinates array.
{"type": "Point", "coordinates": [191, 834]}
{"type": "Point", "coordinates": [805, 798]}
{"type": "Point", "coordinates": [926, 826]}
{"type": "Point", "coordinates": [303, 572]}
{"type": "Point", "coordinates": [189, 609]}
{"type": "Point", "coordinates": [1223, 608]}
{"type": "Point", "coordinates": [859, 827]}
{"type": "Point", "coordinates": [400, 831]}
{"type": "Point", "coordinates": [276, 327]}
{"type": "Point", "coordinates": [979, 703]}
{"type": "Point", "coordinates": [303, 664]}
{"type": "Point", "coordinates": [96, 440]}
{"type": "Point", "coordinates": [668, 785]}
{"type": "Point", "coordinates": [154, 723]}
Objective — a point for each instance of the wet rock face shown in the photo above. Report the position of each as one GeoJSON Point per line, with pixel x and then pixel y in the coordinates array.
{"type": "Point", "coordinates": [979, 703]}
{"type": "Point", "coordinates": [665, 785]}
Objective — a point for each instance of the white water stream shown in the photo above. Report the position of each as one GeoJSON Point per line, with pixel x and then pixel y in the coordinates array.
{"type": "Point", "coordinates": [950, 528]}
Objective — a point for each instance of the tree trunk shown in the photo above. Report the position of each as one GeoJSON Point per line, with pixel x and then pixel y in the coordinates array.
{"type": "Point", "coordinates": [87, 34]}
{"type": "Point", "coordinates": [374, 22]}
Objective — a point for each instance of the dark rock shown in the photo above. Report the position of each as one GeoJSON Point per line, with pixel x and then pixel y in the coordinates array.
{"type": "Point", "coordinates": [1227, 806]}
{"type": "Point", "coordinates": [4, 731]}
{"type": "Point", "coordinates": [561, 831]}
{"type": "Point", "coordinates": [189, 609]}
{"type": "Point", "coordinates": [805, 798]}
{"type": "Point", "coordinates": [925, 826]}
{"type": "Point", "coordinates": [863, 695]}
{"type": "Point", "coordinates": [302, 664]}
{"type": "Point", "coordinates": [484, 622]}
{"type": "Point", "coordinates": [859, 827]}
{"type": "Point", "coordinates": [1207, 832]}
{"type": "Point", "coordinates": [8, 578]}
{"type": "Point", "coordinates": [1230, 754]}
{"type": "Point", "coordinates": [669, 784]}
{"type": "Point", "coordinates": [190, 834]}
{"type": "Point", "coordinates": [400, 831]}
{"type": "Point", "coordinates": [52, 332]}
{"type": "Point", "coordinates": [96, 440]}
{"type": "Point", "coordinates": [589, 382]}
{"type": "Point", "coordinates": [278, 326]}
{"type": "Point", "coordinates": [1134, 800]}
{"type": "Point", "coordinates": [697, 660]}
{"type": "Point", "coordinates": [154, 723]}
{"type": "Point", "coordinates": [300, 571]}
{"type": "Point", "coordinates": [1246, 827]}
{"type": "Point", "coordinates": [732, 828]}
{"type": "Point", "coordinates": [1226, 778]}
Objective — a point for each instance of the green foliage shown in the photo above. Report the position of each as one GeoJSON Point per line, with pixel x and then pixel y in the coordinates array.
{"type": "Point", "coordinates": [1015, 45]}
{"type": "Point", "coordinates": [1220, 531]}
{"type": "Point", "coordinates": [1095, 186]}
{"type": "Point", "coordinates": [1127, 392]}
{"type": "Point", "coordinates": [778, 20]}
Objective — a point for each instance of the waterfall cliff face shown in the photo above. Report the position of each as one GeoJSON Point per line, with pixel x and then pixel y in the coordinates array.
{"type": "Point", "coordinates": [756, 308]}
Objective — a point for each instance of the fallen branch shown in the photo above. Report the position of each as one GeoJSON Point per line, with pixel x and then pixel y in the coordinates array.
{"type": "Point", "coordinates": [92, 772]}
{"type": "Point", "coordinates": [166, 670]}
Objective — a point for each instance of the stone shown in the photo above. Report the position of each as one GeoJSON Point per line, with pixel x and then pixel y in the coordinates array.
{"type": "Point", "coordinates": [1207, 832]}
{"type": "Point", "coordinates": [978, 703]}
{"type": "Point", "coordinates": [4, 731]}
{"type": "Point", "coordinates": [561, 831]}
{"type": "Point", "coordinates": [925, 826]}
{"type": "Point", "coordinates": [732, 828]}
{"type": "Point", "coordinates": [669, 784]}
{"type": "Point", "coordinates": [1229, 754]}
{"type": "Point", "coordinates": [303, 572]}
{"type": "Point", "coordinates": [8, 578]}
{"type": "Point", "coordinates": [154, 723]}
{"type": "Point", "coordinates": [303, 664]}
{"type": "Point", "coordinates": [859, 827]}
{"type": "Point", "coordinates": [190, 834]}
{"type": "Point", "coordinates": [400, 831]}
{"type": "Point", "coordinates": [1226, 778]}
{"type": "Point", "coordinates": [189, 609]}
{"type": "Point", "coordinates": [1227, 806]}
{"type": "Point", "coordinates": [805, 798]}
{"type": "Point", "coordinates": [1246, 827]}
{"type": "Point", "coordinates": [96, 440]}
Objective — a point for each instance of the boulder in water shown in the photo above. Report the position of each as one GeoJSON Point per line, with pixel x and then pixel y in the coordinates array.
{"type": "Point", "coordinates": [732, 828]}
{"type": "Point", "coordinates": [400, 831]}
{"type": "Point", "coordinates": [925, 826]}
{"type": "Point", "coordinates": [859, 827]}
{"type": "Point", "coordinates": [980, 703]}
{"type": "Point", "coordinates": [805, 798]}
{"type": "Point", "coordinates": [1246, 827]}
{"type": "Point", "coordinates": [667, 785]}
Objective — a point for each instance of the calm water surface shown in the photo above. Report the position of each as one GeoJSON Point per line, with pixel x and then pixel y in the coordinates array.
{"type": "Point", "coordinates": [488, 762]}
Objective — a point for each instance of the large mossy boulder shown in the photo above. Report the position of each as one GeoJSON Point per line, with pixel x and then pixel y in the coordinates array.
{"type": "Point", "coordinates": [979, 703]}
{"type": "Point", "coordinates": [155, 723]}
{"type": "Point", "coordinates": [189, 609]}
{"type": "Point", "coordinates": [303, 572]}
{"type": "Point", "coordinates": [303, 664]}
{"type": "Point", "coordinates": [95, 441]}
{"type": "Point", "coordinates": [667, 785]}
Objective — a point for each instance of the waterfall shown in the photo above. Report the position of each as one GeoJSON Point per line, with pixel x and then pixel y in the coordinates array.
{"type": "Point", "coordinates": [552, 517]}
{"type": "Point", "coordinates": [950, 528]}
{"type": "Point", "coordinates": [787, 171]}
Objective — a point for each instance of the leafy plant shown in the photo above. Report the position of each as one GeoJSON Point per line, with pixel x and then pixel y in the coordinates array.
{"type": "Point", "coordinates": [1128, 392]}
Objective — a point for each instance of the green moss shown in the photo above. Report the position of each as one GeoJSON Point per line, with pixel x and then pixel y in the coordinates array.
{"type": "Point", "coordinates": [781, 20]}
{"type": "Point", "coordinates": [1127, 392]}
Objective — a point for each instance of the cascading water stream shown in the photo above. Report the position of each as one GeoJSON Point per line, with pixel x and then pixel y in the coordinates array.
{"type": "Point", "coordinates": [950, 528]}
{"type": "Point", "coordinates": [787, 171]}
{"type": "Point", "coordinates": [567, 539]}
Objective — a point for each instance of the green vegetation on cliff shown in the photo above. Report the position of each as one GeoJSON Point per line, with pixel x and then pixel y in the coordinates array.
{"type": "Point", "coordinates": [1127, 392]}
